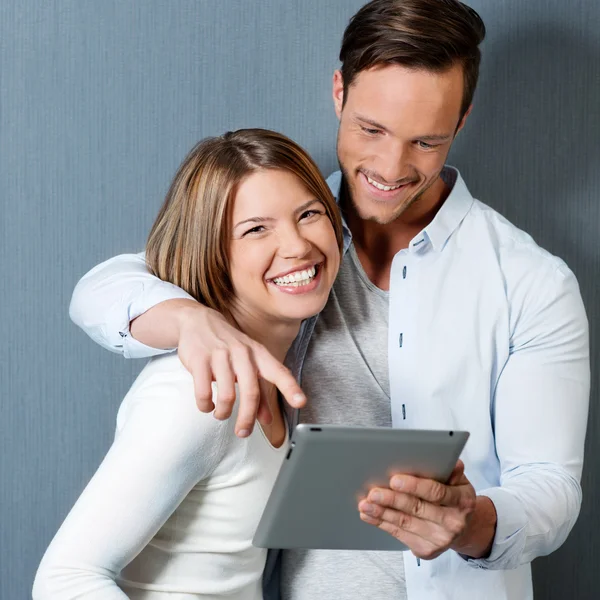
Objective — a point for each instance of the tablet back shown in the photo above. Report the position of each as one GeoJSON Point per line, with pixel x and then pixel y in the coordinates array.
{"type": "Point", "coordinates": [327, 471]}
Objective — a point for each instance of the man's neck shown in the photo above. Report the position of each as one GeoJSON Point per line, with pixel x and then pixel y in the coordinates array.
{"type": "Point", "coordinates": [377, 244]}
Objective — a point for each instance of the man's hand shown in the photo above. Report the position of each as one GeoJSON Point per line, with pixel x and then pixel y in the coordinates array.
{"type": "Point", "coordinates": [432, 517]}
{"type": "Point", "coordinates": [213, 350]}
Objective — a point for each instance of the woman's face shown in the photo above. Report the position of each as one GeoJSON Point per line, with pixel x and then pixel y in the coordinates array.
{"type": "Point", "coordinates": [284, 255]}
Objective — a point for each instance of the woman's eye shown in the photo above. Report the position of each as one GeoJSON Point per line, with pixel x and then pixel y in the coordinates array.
{"type": "Point", "coordinates": [257, 229]}
{"type": "Point", "coordinates": [310, 213]}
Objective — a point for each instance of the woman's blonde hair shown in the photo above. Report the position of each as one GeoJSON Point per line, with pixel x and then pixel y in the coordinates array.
{"type": "Point", "coordinates": [189, 242]}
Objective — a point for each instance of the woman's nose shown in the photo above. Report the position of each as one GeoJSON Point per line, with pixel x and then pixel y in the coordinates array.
{"type": "Point", "coordinates": [292, 244]}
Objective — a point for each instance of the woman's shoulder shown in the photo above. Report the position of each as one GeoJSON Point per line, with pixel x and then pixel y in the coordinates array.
{"type": "Point", "coordinates": [162, 398]}
{"type": "Point", "coordinates": [163, 375]}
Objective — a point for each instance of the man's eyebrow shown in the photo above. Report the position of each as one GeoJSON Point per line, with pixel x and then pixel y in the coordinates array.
{"type": "Point", "coordinates": [432, 137]}
{"type": "Point", "coordinates": [374, 124]}
{"type": "Point", "coordinates": [268, 219]}
{"type": "Point", "coordinates": [436, 137]}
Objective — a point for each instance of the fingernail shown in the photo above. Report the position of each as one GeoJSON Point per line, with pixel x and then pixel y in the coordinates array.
{"type": "Point", "coordinates": [397, 483]}
{"type": "Point", "coordinates": [376, 496]}
{"type": "Point", "coordinates": [243, 433]}
{"type": "Point", "coordinates": [299, 398]}
{"type": "Point", "coordinates": [368, 509]}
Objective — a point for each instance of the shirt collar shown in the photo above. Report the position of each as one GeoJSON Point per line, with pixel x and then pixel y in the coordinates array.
{"type": "Point", "coordinates": [453, 211]}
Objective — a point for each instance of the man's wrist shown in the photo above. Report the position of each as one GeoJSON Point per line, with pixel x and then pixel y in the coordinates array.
{"type": "Point", "coordinates": [184, 311]}
{"type": "Point", "coordinates": [478, 538]}
{"type": "Point", "coordinates": [161, 325]}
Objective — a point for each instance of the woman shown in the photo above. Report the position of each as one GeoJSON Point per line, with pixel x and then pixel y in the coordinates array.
{"type": "Point", "coordinates": [250, 228]}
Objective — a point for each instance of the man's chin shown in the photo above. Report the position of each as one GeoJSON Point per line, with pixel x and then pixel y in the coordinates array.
{"type": "Point", "coordinates": [382, 215]}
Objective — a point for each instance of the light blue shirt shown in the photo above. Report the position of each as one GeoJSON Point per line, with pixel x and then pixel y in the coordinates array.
{"type": "Point", "coordinates": [487, 333]}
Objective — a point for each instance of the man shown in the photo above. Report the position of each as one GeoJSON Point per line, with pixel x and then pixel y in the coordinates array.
{"type": "Point", "coordinates": [485, 331]}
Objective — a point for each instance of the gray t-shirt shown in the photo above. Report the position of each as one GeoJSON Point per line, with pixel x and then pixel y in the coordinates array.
{"type": "Point", "coordinates": [345, 377]}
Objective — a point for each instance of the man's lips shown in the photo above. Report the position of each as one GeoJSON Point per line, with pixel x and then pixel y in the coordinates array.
{"type": "Point", "coordinates": [382, 193]}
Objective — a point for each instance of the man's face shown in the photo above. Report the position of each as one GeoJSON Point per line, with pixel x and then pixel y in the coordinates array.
{"type": "Point", "coordinates": [396, 129]}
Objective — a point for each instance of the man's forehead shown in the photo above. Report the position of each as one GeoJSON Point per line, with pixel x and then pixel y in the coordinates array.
{"type": "Point", "coordinates": [391, 94]}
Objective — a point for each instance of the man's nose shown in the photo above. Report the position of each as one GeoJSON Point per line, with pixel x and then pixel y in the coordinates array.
{"type": "Point", "coordinates": [392, 164]}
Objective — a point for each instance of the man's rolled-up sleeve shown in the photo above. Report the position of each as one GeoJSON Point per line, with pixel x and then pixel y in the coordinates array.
{"type": "Point", "coordinates": [540, 412]}
{"type": "Point", "coordinates": [111, 295]}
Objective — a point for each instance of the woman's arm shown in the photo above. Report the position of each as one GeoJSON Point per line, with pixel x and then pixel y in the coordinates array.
{"type": "Point", "coordinates": [162, 449]}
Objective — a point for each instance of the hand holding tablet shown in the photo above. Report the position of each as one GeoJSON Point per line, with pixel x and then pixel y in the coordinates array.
{"type": "Point", "coordinates": [330, 469]}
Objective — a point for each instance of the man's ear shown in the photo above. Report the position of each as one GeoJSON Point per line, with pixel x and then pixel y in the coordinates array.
{"type": "Point", "coordinates": [464, 119]}
{"type": "Point", "coordinates": [338, 93]}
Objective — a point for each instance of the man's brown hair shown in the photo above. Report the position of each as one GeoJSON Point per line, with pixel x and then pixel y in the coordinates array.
{"type": "Point", "coordinates": [432, 35]}
{"type": "Point", "coordinates": [190, 239]}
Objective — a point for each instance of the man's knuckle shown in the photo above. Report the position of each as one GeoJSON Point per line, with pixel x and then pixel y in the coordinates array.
{"type": "Point", "coordinates": [468, 502]}
{"type": "Point", "coordinates": [203, 395]}
{"type": "Point", "coordinates": [252, 393]}
{"type": "Point", "coordinates": [239, 349]}
{"type": "Point", "coordinates": [226, 396]}
{"type": "Point", "coordinates": [395, 531]}
{"type": "Point", "coordinates": [454, 525]}
{"type": "Point", "coordinates": [437, 492]}
{"type": "Point", "coordinates": [445, 539]}
{"type": "Point", "coordinates": [418, 508]}
{"type": "Point", "coordinates": [220, 353]}
{"type": "Point", "coordinates": [403, 521]}
{"type": "Point", "coordinates": [426, 552]}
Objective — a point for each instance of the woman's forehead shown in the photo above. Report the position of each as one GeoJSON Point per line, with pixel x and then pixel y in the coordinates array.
{"type": "Point", "coordinates": [269, 191]}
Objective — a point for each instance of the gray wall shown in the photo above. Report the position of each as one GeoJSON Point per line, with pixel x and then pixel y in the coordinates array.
{"type": "Point", "coordinates": [99, 101]}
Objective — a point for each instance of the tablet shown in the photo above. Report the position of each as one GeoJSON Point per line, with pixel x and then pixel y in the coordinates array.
{"type": "Point", "coordinates": [314, 503]}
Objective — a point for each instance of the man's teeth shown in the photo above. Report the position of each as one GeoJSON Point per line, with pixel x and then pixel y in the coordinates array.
{"type": "Point", "coordinates": [296, 279]}
{"type": "Point", "coordinates": [380, 186]}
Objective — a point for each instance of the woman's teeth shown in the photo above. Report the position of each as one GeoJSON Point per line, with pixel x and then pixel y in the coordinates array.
{"type": "Point", "coordinates": [297, 279]}
{"type": "Point", "coordinates": [380, 186]}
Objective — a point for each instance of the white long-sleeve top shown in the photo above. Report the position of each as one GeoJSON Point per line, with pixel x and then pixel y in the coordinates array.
{"type": "Point", "coordinates": [487, 332]}
{"type": "Point", "coordinates": [173, 507]}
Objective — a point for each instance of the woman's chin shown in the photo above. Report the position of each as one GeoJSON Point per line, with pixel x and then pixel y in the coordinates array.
{"type": "Point", "coordinates": [305, 309]}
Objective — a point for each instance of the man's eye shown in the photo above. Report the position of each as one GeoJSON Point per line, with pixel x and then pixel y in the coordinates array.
{"type": "Point", "coordinates": [370, 131]}
{"type": "Point", "coordinates": [425, 145]}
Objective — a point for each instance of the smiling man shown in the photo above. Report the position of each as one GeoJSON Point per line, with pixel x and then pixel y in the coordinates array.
{"type": "Point", "coordinates": [444, 315]}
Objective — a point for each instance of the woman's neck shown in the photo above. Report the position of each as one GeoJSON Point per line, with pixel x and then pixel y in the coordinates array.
{"type": "Point", "coordinates": [276, 337]}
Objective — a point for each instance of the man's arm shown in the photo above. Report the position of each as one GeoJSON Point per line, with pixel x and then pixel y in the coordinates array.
{"type": "Point", "coordinates": [540, 417]}
{"type": "Point", "coordinates": [114, 293]}
{"type": "Point", "coordinates": [125, 309]}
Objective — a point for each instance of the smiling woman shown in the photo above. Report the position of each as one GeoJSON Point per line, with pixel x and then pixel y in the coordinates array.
{"type": "Point", "coordinates": [250, 228]}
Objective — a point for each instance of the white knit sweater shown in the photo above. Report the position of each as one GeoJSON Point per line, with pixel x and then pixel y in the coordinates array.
{"type": "Point", "coordinates": [173, 507]}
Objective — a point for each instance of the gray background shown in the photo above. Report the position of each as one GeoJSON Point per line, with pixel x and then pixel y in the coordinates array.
{"type": "Point", "coordinates": [100, 101]}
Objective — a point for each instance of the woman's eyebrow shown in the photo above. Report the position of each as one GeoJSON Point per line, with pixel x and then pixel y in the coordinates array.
{"type": "Point", "coordinates": [266, 219]}
{"type": "Point", "coordinates": [254, 220]}
{"type": "Point", "coordinates": [307, 204]}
